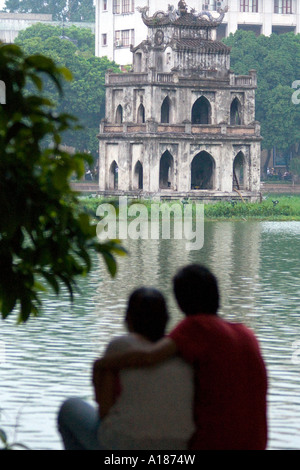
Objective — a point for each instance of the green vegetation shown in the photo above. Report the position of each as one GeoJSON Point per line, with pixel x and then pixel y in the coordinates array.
{"type": "Point", "coordinates": [84, 96]}
{"type": "Point", "coordinates": [276, 59]}
{"type": "Point", "coordinates": [42, 237]}
{"type": "Point", "coordinates": [79, 10]}
{"type": "Point", "coordinates": [272, 208]}
{"type": "Point", "coordinates": [275, 207]}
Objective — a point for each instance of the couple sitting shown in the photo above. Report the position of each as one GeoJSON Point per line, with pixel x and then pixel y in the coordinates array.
{"type": "Point", "coordinates": [203, 386]}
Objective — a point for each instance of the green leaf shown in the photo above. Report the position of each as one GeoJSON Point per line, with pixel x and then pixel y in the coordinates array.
{"type": "Point", "coordinates": [3, 436]}
{"type": "Point", "coordinates": [8, 303]}
{"type": "Point", "coordinates": [37, 81]}
{"type": "Point", "coordinates": [84, 222]}
{"type": "Point", "coordinates": [60, 178]}
{"type": "Point", "coordinates": [110, 263]}
{"type": "Point", "coordinates": [67, 74]}
{"type": "Point", "coordinates": [51, 279]}
{"type": "Point", "coordinates": [26, 308]}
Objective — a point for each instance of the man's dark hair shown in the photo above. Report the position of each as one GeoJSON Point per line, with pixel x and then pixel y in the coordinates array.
{"type": "Point", "coordinates": [196, 290]}
{"type": "Point", "coordinates": [147, 313]}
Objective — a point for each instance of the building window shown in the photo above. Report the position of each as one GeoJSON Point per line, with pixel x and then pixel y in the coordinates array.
{"type": "Point", "coordinates": [125, 37]}
{"type": "Point", "coordinates": [117, 38]}
{"type": "Point", "coordinates": [117, 6]}
{"type": "Point", "coordinates": [247, 6]}
{"type": "Point", "coordinates": [126, 6]}
{"type": "Point", "coordinates": [210, 5]}
{"type": "Point", "coordinates": [104, 39]}
{"type": "Point", "coordinates": [283, 6]}
{"type": "Point", "coordinates": [104, 4]}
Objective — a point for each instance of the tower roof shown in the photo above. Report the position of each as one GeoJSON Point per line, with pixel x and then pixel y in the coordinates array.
{"type": "Point", "coordinates": [181, 17]}
{"type": "Point", "coordinates": [206, 45]}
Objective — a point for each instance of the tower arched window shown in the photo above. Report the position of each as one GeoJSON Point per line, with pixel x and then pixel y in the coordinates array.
{"type": "Point", "coordinates": [201, 111]}
{"type": "Point", "coordinates": [202, 171]}
{"type": "Point", "coordinates": [165, 111]}
{"type": "Point", "coordinates": [238, 171]}
{"type": "Point", "coordinates": [141, 114]}
{"type": "Point", "coordinates": [119, 115]}
{"type": "Point", "coordinates": [235, 112]}
{"type": "Point", "coordinates": [113, 175]}
{"type": "Point", "coordinates": [138, 175]}
{"type": "Point", "coordinates": [166, 171]}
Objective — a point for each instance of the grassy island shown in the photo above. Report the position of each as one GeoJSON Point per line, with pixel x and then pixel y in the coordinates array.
{"type": "Point", "coordinates": [275, 207]}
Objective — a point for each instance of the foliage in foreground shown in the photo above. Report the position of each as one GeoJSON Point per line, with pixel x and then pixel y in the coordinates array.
{"type": "Point", "coordinates": [42, 237]}
{"type": "Point", "coordinates": [6, 445]}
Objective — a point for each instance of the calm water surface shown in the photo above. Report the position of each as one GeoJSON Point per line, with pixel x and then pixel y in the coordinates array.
{"type": "Point", "coordinates": [49, 359]}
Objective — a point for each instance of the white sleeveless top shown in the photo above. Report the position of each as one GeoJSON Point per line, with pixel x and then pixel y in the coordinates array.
{"type": "Point", "coordinates": [155, 408]}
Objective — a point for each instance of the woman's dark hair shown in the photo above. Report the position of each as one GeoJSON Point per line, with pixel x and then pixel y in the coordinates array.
{"type": "Point", "coordinates": [147, 313]}
{"type": "Point", "coordinates": [196, 290]}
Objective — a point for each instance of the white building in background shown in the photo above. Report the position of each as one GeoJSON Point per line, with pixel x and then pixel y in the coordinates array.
{"type": "Point", "coordinates": [12, 23]}
{"type": "Point", "coordinates": [119, 25]}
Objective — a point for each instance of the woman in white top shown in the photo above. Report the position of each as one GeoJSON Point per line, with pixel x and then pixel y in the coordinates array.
{"type": "Point", "coordinates": [139, 409]}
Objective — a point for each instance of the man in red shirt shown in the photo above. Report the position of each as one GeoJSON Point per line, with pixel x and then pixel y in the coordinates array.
{"type": "Point", "coordinates": [230, 409]}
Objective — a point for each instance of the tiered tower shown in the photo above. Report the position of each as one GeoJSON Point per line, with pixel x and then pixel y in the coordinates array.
{"type": "Point", "coordinates": [180, 123]}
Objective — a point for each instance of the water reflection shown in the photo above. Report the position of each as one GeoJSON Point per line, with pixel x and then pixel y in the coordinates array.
{"type": "Point", "coordinates": [257, 264]}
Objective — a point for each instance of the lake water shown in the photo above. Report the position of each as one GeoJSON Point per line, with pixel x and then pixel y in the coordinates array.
{"type": "Point", "coordinates": [49, 358]}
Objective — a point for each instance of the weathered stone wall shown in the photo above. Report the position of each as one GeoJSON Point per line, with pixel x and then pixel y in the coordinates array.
{"type": "Point", "coordinates": [182, 98]}
{"type": "Point", "coordinates": [149, 149]}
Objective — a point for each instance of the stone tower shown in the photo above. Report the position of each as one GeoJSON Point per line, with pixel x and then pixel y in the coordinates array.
{"type": "Point", "coordinates": [180, 124]}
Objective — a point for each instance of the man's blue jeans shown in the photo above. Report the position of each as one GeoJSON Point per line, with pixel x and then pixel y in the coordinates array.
{"type": "Point", "coordinates": [78, 424]}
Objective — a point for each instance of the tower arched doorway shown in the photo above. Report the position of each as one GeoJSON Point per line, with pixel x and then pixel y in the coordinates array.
{"type": "Point", "coordinates": [138, 176]}
{"type": "Point", "coordinates": [119, 115]}
{"type": "Point", "coordinates": [201, 111]}
{"type": "Point", "coordinates": [238, 171]}
{"type": "Point", "coordinates": [165, 112]}
{"type": "Point", "coordinates": [202, 171]}
{"type": "Point", "coordinates": [235, 112]}
{"type": "Point", "coordinates": [166, 171]}
{"type": "Point", "coordinates": [141, 114]}
{"type": "Point", "coordinates": [113, 175]}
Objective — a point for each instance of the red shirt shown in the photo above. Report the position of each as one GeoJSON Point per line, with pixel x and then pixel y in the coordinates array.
{"type": "Point", "coordinates": [230, 383]}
